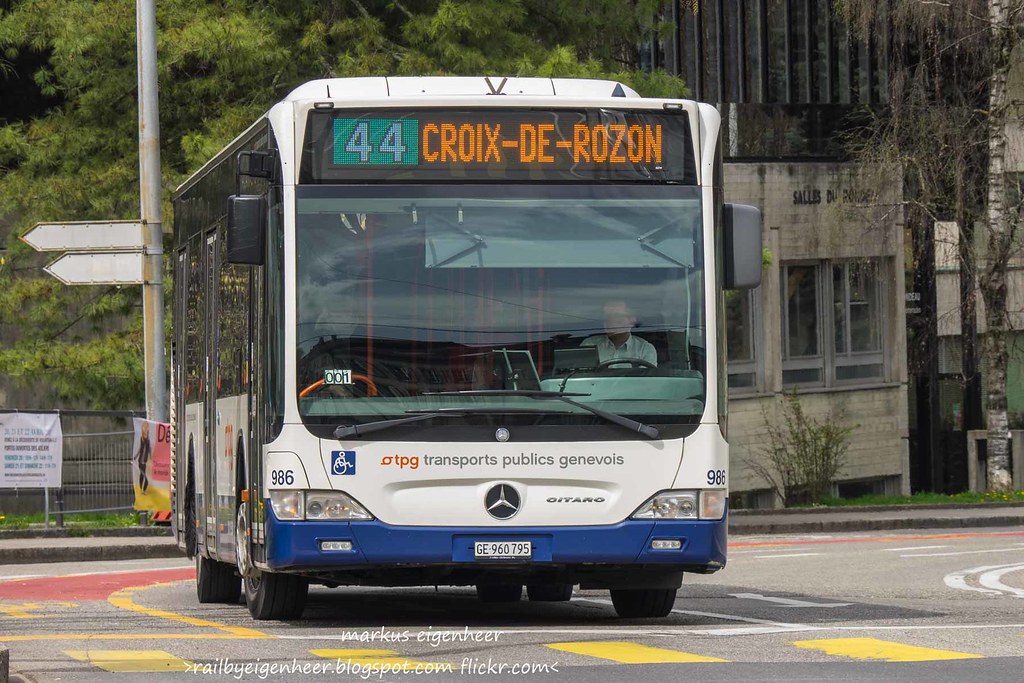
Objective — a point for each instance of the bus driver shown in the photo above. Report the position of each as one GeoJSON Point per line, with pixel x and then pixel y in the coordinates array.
{"type": "Point", "coordinates": [618, 342]}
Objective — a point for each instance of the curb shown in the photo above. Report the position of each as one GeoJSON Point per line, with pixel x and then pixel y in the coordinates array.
{"type": "Point", "coordinates": [875, 508]}
{"type": "Point", "coordinates": [754, 528]}
{"type": "Point", "coordinates": [86, 532]}
{"type": "Point", "coordinates": [139, 551]}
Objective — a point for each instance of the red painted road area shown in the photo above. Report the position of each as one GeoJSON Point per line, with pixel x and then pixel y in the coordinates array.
{"type": "Point", "coordinates": [91, 587]}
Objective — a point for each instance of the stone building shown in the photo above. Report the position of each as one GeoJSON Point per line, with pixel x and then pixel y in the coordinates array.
{"type": "Point", "coordinates": [828, 320]}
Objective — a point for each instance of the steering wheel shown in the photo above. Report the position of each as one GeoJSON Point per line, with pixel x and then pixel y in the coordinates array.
{"type": "Point", "coordinates": [635, 362]}
{"type": "Point", "coordinates": [371, 388]}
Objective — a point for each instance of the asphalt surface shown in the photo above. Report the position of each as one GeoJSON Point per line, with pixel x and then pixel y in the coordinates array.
{"type": "Point", "coordinates": [21, 547]}
{"type": "Point", "coordinates": [905, 605]}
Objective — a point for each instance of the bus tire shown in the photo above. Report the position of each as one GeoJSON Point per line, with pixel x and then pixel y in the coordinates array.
{"type": "Point", "coordinates": [499, 592]}
{"type": "Point", "coordinates": [216, 581]}
{"type": "Point", "coordinates": [646, 602]}
{"type": "Point", "coordinates": [270, 595]}
{"type": "Point", "coordinates": [549, 592]}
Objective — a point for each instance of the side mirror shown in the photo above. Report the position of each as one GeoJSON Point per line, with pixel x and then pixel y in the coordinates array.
{"type": "Point", "coordinates": [247, 226]}
{"type": "Point", "coordinates": [742, 233]}
{"type": "Point", "coordinates": [256, 164]}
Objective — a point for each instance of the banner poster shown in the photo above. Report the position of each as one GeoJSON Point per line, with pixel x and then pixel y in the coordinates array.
{"type": "Point", "coordinates": [151, 465]}
{"type": "Point", "coordinates": [31, 450]}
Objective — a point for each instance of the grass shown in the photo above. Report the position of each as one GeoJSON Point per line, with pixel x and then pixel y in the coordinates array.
{"type": "Point", "coordinates": [927, 499]}
{"type": "Point", "coordinates": [82, 519]}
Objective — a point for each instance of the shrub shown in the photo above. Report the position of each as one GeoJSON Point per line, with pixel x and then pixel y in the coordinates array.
{"type": "Point", "coordinates": [803, 457]}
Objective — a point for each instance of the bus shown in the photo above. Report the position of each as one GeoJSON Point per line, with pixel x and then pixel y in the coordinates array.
{"type": "Point", "coordinates": [456, 331]}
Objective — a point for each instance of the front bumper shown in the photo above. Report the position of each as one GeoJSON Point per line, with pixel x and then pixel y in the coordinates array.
{"type": "Point", "coordinates": [295, 546]}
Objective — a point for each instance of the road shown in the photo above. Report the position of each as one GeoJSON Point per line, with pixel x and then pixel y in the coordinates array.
{"type": "Point", "coordinates": [881, 606]}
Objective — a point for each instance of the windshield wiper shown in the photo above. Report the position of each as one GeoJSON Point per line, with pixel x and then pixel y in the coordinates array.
{"type": "Point", "coordinates": [361, 429]}
{"type": "Point", "coordinates": [650, 431]}
{"type": "Point", "coordinates": [418, 415]}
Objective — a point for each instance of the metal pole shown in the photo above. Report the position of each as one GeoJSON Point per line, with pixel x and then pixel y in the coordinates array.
{"type": "Point", "coordinates": [46, 507]}
{"type": "Point", "coordinates": [152, 220]}
{"type": "Point", "coordinates": [60, 508]}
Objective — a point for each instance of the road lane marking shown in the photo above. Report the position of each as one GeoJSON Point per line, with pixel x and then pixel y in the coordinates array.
{"type": "Point", "coordinates": [670, 632]}
{"type": "Point", "coordinates": [919, 547]}
{"type": "Point", "coordinates": [717, 615]}
{"type": "Point", "coordinates": [124, 571]}
{"type": "Point", "coordinates": [16, 577]}
{"type": "Point", "coordinates": [788, 602]}
{"type": "Point", "coordinates": [958, 579]}
{"type": "Point", "coordinates": [630, 653]}
{"type": "Point", "coordinates": [879, 539]}
{"type": "Point", "coordinates": [750, 630]}
{"type": "Point", "coordinates": [885, 650]}
{"type": "Point", "coordinates": [135, 661]}
{"type": "Point", "coordinates": [770, 557]}
{"type": "Point", "coordinates": [990, 579]}
{"type": "Point", "coordinates": [377, 657]}
{"type": "Point", "coordinates": [123, 600]}
{"type": "Point", "coordinates": [965, 552]}
{"type": "Point", "coordinates": [21, 611]}
{"type": "Point", "coordinates": [758, 550]}
{"type": "Point", "coordinates": [121, 636]}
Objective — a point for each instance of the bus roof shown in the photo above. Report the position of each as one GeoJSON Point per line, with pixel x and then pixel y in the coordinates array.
{"type": "Point", "coordinates": [448, 86]}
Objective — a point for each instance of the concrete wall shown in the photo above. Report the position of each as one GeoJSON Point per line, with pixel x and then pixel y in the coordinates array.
{"type": "Point", "coordinates": [817, 212]}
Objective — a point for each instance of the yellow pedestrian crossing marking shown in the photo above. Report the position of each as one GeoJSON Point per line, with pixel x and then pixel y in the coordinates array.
{"type": "Point", "coordinates": [137, 661]}
{"type": "Point", "coordinates": [873, 648]}
{"type": "Point", "coordinates": [378, 657]}
{"type": "Point", "coordinates": [630, 653]}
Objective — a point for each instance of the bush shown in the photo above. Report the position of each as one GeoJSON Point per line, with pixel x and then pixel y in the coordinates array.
{"type": "Point", "coordinates": [803, 456]}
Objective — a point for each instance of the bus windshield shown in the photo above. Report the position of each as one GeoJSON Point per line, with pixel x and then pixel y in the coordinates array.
{"type": "Point", "coordinates": [407, 293]}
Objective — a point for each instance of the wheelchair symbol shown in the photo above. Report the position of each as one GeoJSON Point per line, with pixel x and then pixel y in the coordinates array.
{"type": "Point", "coordinates": [343, 462]}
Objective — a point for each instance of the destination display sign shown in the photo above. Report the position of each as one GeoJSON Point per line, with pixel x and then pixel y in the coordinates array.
{"type": "Point", "coordinates": [496, 145]}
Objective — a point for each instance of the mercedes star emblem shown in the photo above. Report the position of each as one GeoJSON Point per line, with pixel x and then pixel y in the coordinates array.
{"type": "Point", "coordinates": [502, 501]}
{"type": "Point", "coordinates": [502, 434]}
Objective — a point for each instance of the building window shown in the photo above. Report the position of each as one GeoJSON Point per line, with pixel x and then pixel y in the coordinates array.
{"type": "Point", "coordinates": [741, 342]}
{"type": "Point", "coordinates": [802, 360]}
{"type": "Point", "coordinates": [857, 320]}
{"type": "Point", "coordinates": [854, 323]}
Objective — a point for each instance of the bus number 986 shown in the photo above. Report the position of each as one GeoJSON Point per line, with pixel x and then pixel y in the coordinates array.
{"type": "Point", "coordinates": [716, 477]}
{"type": "Point", "coordinates": [282, 477]}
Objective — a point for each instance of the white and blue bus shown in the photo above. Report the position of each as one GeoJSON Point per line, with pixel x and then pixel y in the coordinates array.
{"type": "Point", "coordinates": [458, 331]}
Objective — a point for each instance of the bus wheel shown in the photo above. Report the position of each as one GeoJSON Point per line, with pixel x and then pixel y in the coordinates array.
{"type": "Point", "coordinates": [216, 581]}
{"type": "Point", "coordinates": [489, 592]}
{"type": "Point", "coordinates": [243, 561]}
{"type": "Point", "coordinates": [275, 596]}
{"type": "Point", "coordinates": [647, 602]}
{"type": "Point", "coordinates": [549, 592]}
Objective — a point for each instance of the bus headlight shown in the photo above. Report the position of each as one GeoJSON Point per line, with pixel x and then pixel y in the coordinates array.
{"type": "Point", "coordinates": [712, 504]}
{"type": "Point", "coordinates": [669, 505]}
{"type": "Point", "coordinates": [333, 505]}
{"type": "Point", "coordinates": [287, 504]}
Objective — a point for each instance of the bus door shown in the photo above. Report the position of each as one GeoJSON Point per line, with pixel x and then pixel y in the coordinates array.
{"type": "Point", "coordinates": [208, 514]}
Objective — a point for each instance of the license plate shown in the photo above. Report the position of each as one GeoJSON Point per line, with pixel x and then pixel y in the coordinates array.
{"type": "Point", "coordinates": [503, 550]}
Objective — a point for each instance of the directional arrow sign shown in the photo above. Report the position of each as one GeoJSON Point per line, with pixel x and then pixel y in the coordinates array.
{"type": "Point", "coordinates": [124, 268]}
{"type": "Point", "coordinates": [86, 236]}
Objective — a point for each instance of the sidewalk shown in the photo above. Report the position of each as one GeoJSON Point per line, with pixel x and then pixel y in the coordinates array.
{"type": "Point", "coordinates": [86, 549]}
{"type": "Point", "coordinates": [804, 521]}
{"type": "Point", "coordinates": [150, 542]}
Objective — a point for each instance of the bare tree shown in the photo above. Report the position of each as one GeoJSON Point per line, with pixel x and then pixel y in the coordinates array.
{"type": "Point", "coordinates": [945, 129]}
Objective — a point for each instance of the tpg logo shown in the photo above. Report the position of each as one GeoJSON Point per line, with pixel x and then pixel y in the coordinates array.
{"type": "Point", "coordinates": [343, 462]}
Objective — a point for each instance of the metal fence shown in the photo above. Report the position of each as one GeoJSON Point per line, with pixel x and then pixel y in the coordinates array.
{"type": "Point", "coordinates": [97, 470]}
